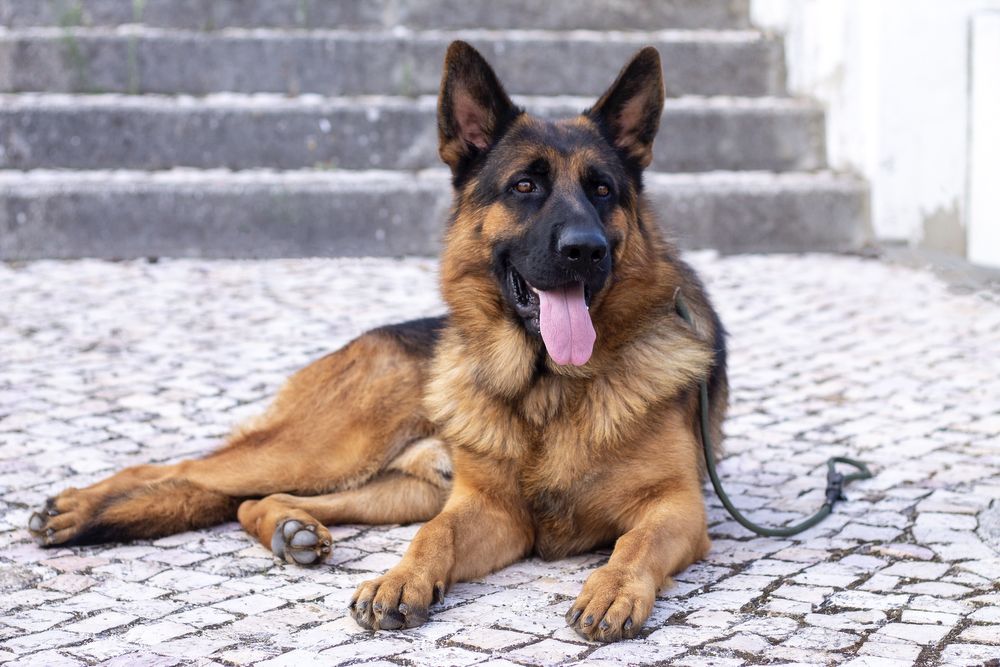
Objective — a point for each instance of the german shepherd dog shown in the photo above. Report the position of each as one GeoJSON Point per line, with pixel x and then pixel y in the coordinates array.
{"type": "Point", "coordinates": [552, 410]}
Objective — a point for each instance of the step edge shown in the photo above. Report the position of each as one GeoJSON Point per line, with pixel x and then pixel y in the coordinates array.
{"type": "Point", "coordinates": [132, 31]}
{"type": "Point", "coordinates": [274, 102]}
{"type": "Point", "coordinates": [12, 180]}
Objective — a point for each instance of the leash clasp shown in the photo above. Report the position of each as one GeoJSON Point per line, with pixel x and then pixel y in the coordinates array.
{"type": "Point", "coordinates": [834, 486]}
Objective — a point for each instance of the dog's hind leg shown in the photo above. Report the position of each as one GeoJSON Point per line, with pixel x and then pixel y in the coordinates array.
{"type": "Point", "coordinates": [335, 425]}
{"type": "Point", "coordinates": [413, 488]}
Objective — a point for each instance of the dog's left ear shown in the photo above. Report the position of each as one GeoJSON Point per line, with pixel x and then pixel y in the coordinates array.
{"type": "Point", "coordinates": [629, 112]}
{"type": "Point", "coordinates": [473, 108]}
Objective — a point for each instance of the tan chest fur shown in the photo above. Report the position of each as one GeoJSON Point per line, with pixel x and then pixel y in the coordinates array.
{"type": "Point", "coordinates": [581, 446]}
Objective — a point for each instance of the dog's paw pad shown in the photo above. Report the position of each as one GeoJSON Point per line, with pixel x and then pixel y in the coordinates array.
{"type": "Point", "coordinates": [301, 544]}
{"type": "Point", "coordinates": [304, 539]}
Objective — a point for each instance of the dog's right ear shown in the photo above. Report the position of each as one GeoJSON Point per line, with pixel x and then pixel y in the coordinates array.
{"type": "Point", "coordinates": [473, 108]}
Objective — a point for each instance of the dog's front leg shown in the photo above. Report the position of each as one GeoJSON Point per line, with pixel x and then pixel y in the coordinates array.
{"type": "Point", "coordinates": [482, 528]}
{"type": "Point", "coordinates": [668, 534]}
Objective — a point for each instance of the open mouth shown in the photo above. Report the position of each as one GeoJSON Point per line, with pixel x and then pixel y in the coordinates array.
{"type": "Point", "coordinates": [561, 316]}
{"type": "Point", "coordinates": [526, 301]}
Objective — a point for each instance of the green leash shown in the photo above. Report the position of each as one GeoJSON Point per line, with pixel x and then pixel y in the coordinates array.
{"type": "Point", "coordinates": [835, 480]}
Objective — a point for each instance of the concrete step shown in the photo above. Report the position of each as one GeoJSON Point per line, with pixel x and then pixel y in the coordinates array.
{"type": "Point", "coordinates": [199, 213]}
{"type": "Point", "coordinates": [269, 131]}
{"type": "Point", "coordinates": [314, 14]}
{"type": "Point", "coordinates": [139, 59]}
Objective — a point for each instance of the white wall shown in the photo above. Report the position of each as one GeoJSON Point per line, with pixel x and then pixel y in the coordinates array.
{"type": "Point", "coordinates": [895, 77]}
{"type": "Point", "coordinates": [984, 139]}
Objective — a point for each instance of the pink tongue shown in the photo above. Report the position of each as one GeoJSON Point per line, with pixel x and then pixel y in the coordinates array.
{"type": "Point", "coordinates": [566, 327]}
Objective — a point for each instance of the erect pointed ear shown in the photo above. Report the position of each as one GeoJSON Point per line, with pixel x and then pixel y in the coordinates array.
{"type": "Point", "coordinates": [629, 112]}
{"type": "Point", "coordinates": [473, 109]}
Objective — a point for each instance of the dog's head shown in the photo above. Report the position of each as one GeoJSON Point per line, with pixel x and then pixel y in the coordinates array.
{"type": "Point", "coordinates": [547, 215]}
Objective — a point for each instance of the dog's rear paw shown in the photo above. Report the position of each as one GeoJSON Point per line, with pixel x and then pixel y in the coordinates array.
{"type": "Point", "coordinates": [58, 522]}
{"type": "Point", "coordinates": [300, 543]}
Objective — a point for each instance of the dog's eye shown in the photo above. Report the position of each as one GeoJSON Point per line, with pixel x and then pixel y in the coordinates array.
{"type": "Point", "coordinates": [525, 186]}
{"type": "Point", "coordinates": [602, 190]}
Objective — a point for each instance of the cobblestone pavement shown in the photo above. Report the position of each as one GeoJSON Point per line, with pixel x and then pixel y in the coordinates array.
{"type": "Point", "coordinates": [104, 365]}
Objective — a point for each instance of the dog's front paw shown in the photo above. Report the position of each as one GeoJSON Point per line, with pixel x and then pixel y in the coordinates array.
{"type": "Point", "coordinates": [399, 599]}
{"type": "Point", "coordinates": [613, 605]}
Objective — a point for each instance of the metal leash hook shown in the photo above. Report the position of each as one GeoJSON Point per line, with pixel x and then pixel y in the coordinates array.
{"type": "Point", "coordinates": [835, 480]}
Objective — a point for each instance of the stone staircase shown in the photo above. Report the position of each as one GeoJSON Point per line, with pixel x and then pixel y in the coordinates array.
{"type": "Point", "coordinates": [265, 128]}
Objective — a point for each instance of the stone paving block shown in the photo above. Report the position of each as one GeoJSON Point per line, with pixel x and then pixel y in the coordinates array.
{"type": "Point", "coordinates": [149, 609]}
{"type": "Point", "coordinates": [377, 647]}
{"type": "Point", "coordinates": [70, 583]}
{"type": "Point", "coordinates": [90, 346]}
{"type": "Point", "coordinates": [48, 658]}
{"type": "Point", "coordinates": [99, 650]}
{"type": "Point", "coordinates": [879, 582]}
{"type": "Point", "coordinates": [30, 643]}
{"type": "Point", "coordinates": [869, 661]}
{"type": "Point", "coordinates": [928, 603]}
{"type": "Point", "coordinates": [793, 655]}
{"type": "Point", "coordinates": [547, 652]}
{"type": "Point", "coordinates": [491, 639]}
{"type": "Point", "coordinates": [938, 589]}
{"type": "Point", "coordinates": [201, 617]}
{"type": "Point", "coordinates": [911, 570]}
{"type": "Point", "coordinates": [968, 547]}
{"type": "Point", "coordinates": [298, 657]}
{"type": "Point", "coordinates": [250, 604]}
{"type": "Point", "coordinates": [893, 650]}
{"type": "Point", "coordinates": [980, 634]}
{"type": "Point", "coordinates": [36, 620]}
{"type": "Point", "coordinates": [862, 563]}
{"type": "Point", "coordinates": [863, 600]}
{"type": "Point", "coordinates": [145, 658]}
{"type": "Point", "coordinates": [780, 606]}
{"type": "Point", "coordinates": [440, 656]}
{"type": "Point", "coordinates": [851, 620]}
{"type": "Point", "coordinates": [631, 653]}
{"type": "Point", "coordinates": [83, 602]}
{"type": "Point", "coordinates": [100, 622]}
{"type": "Point", "coordinates": [911, 632]}
{"type": "Point", "coordinates": [184, 580]}
{"type": "Point", "coordinates": [865, 533]}
{"type": "Point", "coordinates": [744, 643]}
{"type": "Point", "coordinates": [810, 594]}
{"type": "Point", "coordinates": [969, 654]}
{"type": "Point", "coordinates": [986, 615]}
{"type": "Point", "coordinates": [827, 574]}
{"type": "Point", "coordinates": [188, 648]}
{"type": "Point", "coordinates": [820, 639]}
{"type": "Point", "coordinates": [126, 590]}
{"type": "Point", "coordinates": [157, 633]}
{"type": "Point", "coordinates": [938, 618]}
{"type": "Point", "coordinates": [710, 661]}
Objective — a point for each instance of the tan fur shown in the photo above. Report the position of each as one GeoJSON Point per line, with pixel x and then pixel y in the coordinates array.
{"type": "Point", "coordinates": [501, 451]}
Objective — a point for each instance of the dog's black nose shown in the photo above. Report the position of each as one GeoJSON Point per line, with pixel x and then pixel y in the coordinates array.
{"type": "Point", "coordinates": [582, 248]}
